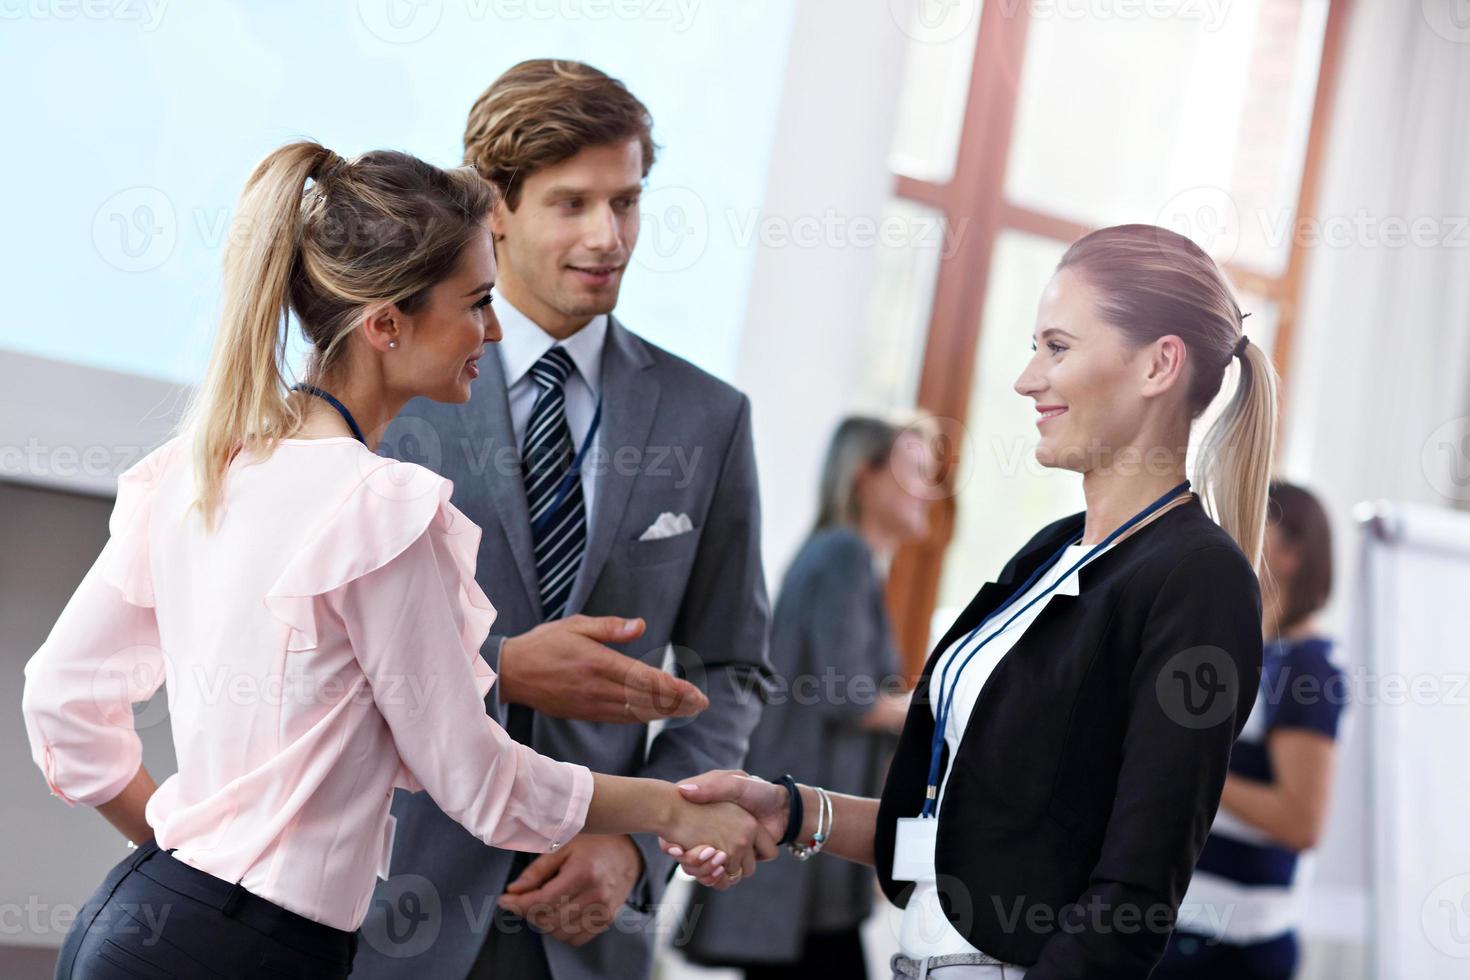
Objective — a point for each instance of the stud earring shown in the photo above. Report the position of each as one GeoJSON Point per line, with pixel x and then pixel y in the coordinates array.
{"type": "Point", "coordinates": [393, 345]}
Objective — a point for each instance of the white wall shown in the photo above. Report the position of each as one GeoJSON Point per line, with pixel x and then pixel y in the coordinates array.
{"type": "Point", "coordinates": [75, 428]}
{"type": "Point", "coordinates": [800, 351]}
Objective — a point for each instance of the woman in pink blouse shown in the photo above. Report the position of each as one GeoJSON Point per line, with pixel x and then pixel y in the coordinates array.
{"type": "Point", "coordinates": [311, 605]}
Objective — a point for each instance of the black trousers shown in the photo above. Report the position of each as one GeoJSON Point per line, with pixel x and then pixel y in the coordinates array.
{"type": "Point", "coordinates": [1192, 957]}
{"type": "Point", "coordinates": [823, 954]}
{"type": "Point", "coordinates": [155, 916]}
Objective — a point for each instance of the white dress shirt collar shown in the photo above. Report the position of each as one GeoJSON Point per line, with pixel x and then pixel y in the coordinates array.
{"type": "Point", "coordinates": [523, 343]}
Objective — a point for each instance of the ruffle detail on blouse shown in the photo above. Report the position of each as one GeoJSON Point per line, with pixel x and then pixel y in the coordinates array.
{"type": "Point", "coordinates": [394, 505]}
{"type": "Point", "coordinates": [124, 561]}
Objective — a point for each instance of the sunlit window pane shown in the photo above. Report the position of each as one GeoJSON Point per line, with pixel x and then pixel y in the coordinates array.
{"type": "Point", "coordinates": [910, 245]}
{"type": "Point", "coordinates": [1196, 120]}
{"type": "Point", "coordinates": [936, 77]}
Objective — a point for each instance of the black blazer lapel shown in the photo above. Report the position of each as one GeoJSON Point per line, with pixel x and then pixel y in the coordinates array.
{"type": "Point", "coordinates": [1017, 571]}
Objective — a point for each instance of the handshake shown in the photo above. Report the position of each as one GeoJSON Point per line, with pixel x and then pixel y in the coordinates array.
{"type": "Point", "coordinates": [728, 822]}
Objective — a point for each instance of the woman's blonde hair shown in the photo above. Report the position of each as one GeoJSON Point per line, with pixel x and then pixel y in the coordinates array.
{"type": "Point", "coordinates": [379, 230]}
{"type": "Point", "coordinates": [1153, 282]}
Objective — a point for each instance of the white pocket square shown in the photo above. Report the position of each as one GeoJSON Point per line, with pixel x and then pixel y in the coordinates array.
{"type": "Point", "coordinates": [667, 526]}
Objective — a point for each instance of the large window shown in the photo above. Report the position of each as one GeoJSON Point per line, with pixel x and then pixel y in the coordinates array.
{"type": "Point", "coordinates": [1175, 120]}
{"type": "Point", "coordinates": [162, 110]}
{"type": "Point", "coordinates": [1077, 116]}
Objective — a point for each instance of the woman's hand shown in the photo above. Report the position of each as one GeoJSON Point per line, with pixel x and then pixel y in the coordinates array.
{"type": "Point", "coordinates": [126, 810]}
{"type": "Point", "coordinates": [764, 801]}
{"type": "Point", "coordinates": [730, 836]}
{"type": "Point", "coordinates": [889, 712]}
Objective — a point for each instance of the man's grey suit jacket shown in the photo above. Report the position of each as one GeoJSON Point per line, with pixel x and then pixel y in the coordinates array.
{"type": "Point", "coordinates": [673, 439]}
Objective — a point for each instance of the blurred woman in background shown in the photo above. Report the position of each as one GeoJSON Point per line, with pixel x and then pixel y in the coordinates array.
{"type": "Point", "coordinates": [1239, 917]}
{"type": "Point", "coordinates": [833, 648]}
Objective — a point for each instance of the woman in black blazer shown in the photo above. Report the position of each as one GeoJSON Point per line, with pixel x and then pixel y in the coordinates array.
{"type": "Point", "coordinates": [1096, 745]}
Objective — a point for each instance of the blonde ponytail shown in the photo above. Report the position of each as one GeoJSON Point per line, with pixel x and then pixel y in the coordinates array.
{"type": "Point", "coordinates": [1233, 469]}
{"type": "Point", "coordinates": [243, 398]}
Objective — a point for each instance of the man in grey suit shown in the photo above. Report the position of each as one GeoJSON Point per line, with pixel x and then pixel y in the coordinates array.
{"type": "Point", "coordinates": [612, 480]}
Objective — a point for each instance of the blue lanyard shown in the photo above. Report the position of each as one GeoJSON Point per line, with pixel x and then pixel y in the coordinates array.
{"type": "Point", "coordinates": [342, 409]}
{"type": "Point", "coordinates": [571, 476]}
{"type": "Point", "coordinates": [946, 701]}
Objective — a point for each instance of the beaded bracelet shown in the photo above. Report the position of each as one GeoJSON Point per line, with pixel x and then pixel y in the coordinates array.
{"type": "Point", "coordinates": [804, 852]}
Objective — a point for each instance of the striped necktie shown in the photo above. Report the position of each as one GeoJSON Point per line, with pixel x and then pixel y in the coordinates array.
{"type": "Point", "coordinates": [558, 517]}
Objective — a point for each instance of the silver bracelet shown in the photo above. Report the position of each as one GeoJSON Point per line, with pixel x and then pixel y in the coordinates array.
{"type": "Point", "coordinates": [804, 852]}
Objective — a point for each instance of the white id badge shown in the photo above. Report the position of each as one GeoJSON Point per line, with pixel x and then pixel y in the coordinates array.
{"type": "Point", "coordinates": [913, 848]}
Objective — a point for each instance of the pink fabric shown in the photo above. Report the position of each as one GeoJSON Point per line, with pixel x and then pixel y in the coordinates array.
{"type": "Point", "coordinates": [320, 647]}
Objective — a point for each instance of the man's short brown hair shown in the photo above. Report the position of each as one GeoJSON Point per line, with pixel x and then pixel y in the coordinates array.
{"type": "Point", "coordinates": [544, 111]}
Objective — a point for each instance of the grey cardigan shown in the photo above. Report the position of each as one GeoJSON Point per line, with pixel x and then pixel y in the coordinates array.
{"type": "Point", "coordinates": [831, 647]}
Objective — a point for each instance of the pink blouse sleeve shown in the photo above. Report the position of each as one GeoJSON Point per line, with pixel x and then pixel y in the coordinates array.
{"type": "Point", "coordinates": [416, 624]}
{"type": "Point", "coordinates": [102, 656]}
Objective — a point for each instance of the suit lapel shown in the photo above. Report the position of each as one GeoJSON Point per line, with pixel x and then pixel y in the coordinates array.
{"type": "Point", "coordinates": [489, 421]}
{"type": "Point", "coordinates": [629, 400]}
